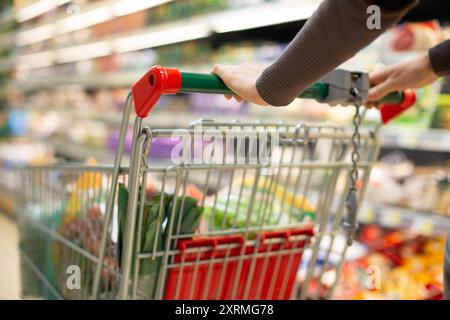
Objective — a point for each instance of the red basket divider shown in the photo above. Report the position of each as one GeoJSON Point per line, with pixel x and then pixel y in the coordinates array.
{"type": "Point", "coordinates": [272, 276]}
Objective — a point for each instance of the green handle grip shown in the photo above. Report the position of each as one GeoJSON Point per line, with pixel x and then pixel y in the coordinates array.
{"type": "Point", "coordinates": [210, 83]}
{"type": "Point", "coordinates": [392, 98]}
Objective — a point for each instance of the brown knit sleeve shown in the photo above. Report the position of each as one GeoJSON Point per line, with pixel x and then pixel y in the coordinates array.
{"type": "Point", "coordinates": [334, 33]}
{"type": "Point", "coordinates": [440, 58]}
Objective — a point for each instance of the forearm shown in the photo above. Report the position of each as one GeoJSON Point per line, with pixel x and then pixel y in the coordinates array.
{"type": "Point", "coordinates": [440, 58]}
{"type": "Point", "coordinates": [334, 33]}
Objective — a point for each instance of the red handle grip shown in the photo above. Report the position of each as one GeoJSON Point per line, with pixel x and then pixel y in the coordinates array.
{"type": "Point", "coordinates": [156, 82]}
{"type": "Point", "coordinates": [391, 111]}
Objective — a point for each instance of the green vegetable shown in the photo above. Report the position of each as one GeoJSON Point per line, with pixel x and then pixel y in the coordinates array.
{"type": "Point", "coordinates": [235, 214]}
{"type": "Point", "coordinates": [154, 216]}
{"type": "Point", "coordinates": [227, 212]}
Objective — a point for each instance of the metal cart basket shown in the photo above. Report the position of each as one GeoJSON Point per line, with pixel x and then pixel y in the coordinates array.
{"type": "Point", "coordinates": [240, 210]}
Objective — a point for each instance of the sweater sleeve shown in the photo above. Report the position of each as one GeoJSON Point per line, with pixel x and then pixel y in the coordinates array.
{"type": "Point", "coordinates": [440, 58]}
{"type": "Point", "coordinates": [334, 33]}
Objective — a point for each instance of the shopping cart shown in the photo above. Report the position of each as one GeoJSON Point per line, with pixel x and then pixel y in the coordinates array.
{"type": "Point", "coordinates": [240, 210]}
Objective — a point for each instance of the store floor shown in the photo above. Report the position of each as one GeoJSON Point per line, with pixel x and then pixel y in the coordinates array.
{"type": "Point", "coordinates": [9, 259]}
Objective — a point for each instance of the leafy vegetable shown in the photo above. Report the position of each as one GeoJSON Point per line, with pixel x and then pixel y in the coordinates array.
{"type": "Point", "coordinates": [157, 214]}
{"type": "Point", "coordinates": [272, 205]}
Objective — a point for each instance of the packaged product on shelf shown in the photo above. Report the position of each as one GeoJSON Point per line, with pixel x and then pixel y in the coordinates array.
{"type": "Point", "coordinates": [186, 8]}
{"type": "Point", "coordinates": [216, 105]}
{"type": "Point", "coordinates": [442, 116]}
{"type": "Point", "coordinates": [428, 190]}
{"type": "Point", "coordinates": [136, 61]}
{"type": "Point", "coordinates": [106, 64]}
{"type": "Point", "coordinates": [415, 36]}
{"type": "Point", "coordinates": [123, 24]}
{"type": "Point", "coordinates": [399, 265]}
{"type": "Point", "coordinates": [397, 181]}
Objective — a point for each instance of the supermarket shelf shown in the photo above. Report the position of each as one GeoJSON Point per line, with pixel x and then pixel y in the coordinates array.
{"type": "Point", "coordinates": [157, 118]}
{"type": "Point", "coordinates": [37, 8]}
{"type": "Point", "coordinates": [436, 140]}
{"type": "Point", "coordinates": [422, 222]}
{"type": "Point", "coordinates": [88, 15]}
{"type": "Point", "coordinates": [173, 32]}
{"type": "Point", "coordinates": [88, 81]}
{"type": "Point", "coordinates": [418, 139]}
{"type": "Point", "coordinates": [95, 81]}
{"type": "Point", "coordinates": [79, 152]}
{"type": "Point", "coordinates": [107, 10]}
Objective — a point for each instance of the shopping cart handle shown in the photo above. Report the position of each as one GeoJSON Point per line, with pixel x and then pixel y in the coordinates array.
{"type": "Point", "coordinates": [159, 80]}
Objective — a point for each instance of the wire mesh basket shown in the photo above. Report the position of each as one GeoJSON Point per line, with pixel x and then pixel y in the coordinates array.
{"type": "Point", "coordinates": [204, 230]}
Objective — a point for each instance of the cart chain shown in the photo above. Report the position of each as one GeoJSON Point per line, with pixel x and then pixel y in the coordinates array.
{"type": "Point", "coordinates": [350, 223]}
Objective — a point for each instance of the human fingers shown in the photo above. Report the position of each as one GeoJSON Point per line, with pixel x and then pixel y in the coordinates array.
{"type": "Point", "coordinates": [379, 75]}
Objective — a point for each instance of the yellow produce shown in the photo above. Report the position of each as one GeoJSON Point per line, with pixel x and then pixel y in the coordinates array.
{"type": "Point", "coordinates": [282, 194]}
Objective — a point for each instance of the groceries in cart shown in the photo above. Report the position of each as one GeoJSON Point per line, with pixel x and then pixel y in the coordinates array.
{"type": "Point", "coordinates": [80, 220]}
{"type": "Point", "coordinates": [231, 210]}
{"type": "Point", "coordinates": [197, 213]}
{"type": "Point", "coordinates": [200, 231]}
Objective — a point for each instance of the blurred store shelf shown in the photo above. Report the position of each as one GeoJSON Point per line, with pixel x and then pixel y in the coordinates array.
{"type": "Point", "coordinates": [91, 81]}
{"type": "Point", "coordinates": [80, 152]}
{"type": "Point", "coordinates": [203, 26]}
{"type": "Point", "coordinates": [111, 9]}
{"type": "Point", "coordinates": [95, 81]}
{"type": "Point", "coordinates": [6, 64]}
{"type": "Point", "coordinates": [421, 222]}
{"type": "Point", "coordinates": [249, 17]}
{"type": "Point", "coordinates": [8, 203]}
{"type": "Point", "coordinates": [6, 18]}
{"type": "Point", "coordinates": [157, 118]}
{"type": "Point", "coordinates": [37, 8]}
{"type": "Point", "coordinates": [6, 39]}
{"type": "Point", "coordinates": [391, 137]}
{"type": "Point", "coordinates": [419, 139]}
